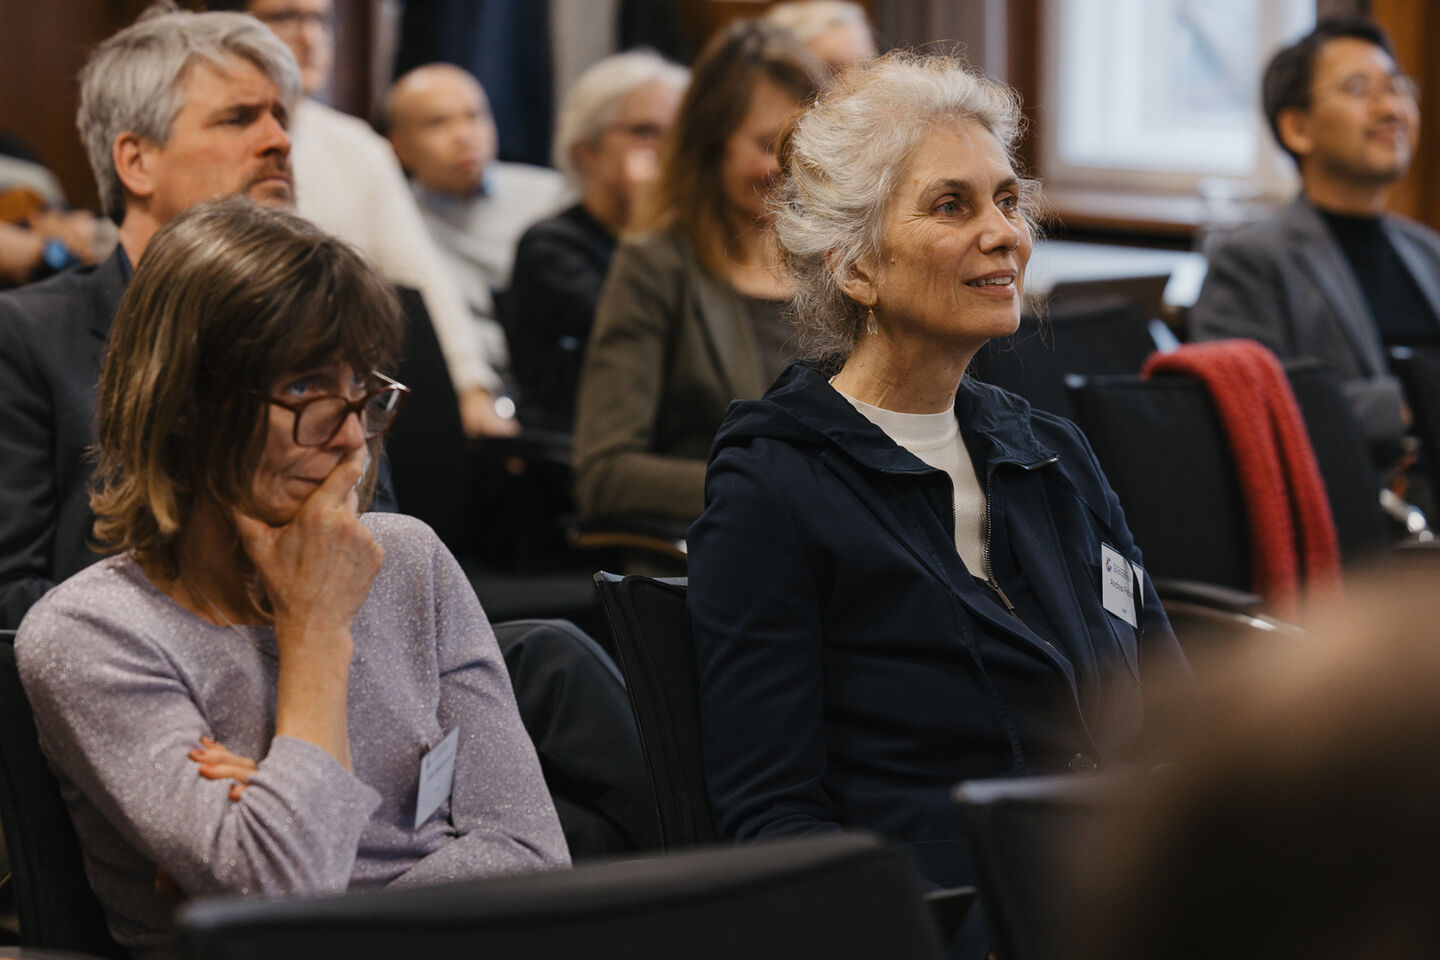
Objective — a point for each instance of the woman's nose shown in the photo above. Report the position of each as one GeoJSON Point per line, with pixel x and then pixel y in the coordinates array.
{"type": "Point", "coordinates": [351, 433]}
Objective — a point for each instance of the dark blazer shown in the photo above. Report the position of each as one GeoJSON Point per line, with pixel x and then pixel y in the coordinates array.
{"type": "Point", "coordinates": [672, 346]}
{"type": "Point", "coordinates": [852, 670]}
{"type": "Point", "coordinates": [52, 340]}
{"type": "Point", "coordinates": [1286, 283]}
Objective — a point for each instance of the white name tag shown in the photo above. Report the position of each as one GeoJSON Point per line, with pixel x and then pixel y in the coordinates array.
{"type": "Point", "coordinates": [437, 777]}
{"type": "Point", "coordinates": [1117, 584]}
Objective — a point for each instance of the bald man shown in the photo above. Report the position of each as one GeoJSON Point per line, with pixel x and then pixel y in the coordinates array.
{"type": "Point", "coordinates": [475, 205]}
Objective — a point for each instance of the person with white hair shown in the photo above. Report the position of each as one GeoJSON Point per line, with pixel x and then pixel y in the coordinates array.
{"type": "Point", "coordinates": [607, 142]}
{"type": "Point", "coordinates": [837, 32]}
{"type": "Point", "coordinates": [904, 578]}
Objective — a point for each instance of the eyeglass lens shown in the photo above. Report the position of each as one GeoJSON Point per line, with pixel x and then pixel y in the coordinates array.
{"type": "Point", "coordinates": [321, 419]}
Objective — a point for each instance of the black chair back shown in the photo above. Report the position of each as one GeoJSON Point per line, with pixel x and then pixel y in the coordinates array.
{"type": "Point", "coordinates": [1027, 837]}
{"type": "Point", "coordinates": [1088, 336]}
{"type": "Point", "coordinates": [1164, 452]}
{"type": "Point", "coordinates": [842, 897]}
{"type": "Point", "coordinates": [56, 908]}
{"type": "Point", "coordinates": [1161, 447]}
{"type": "Point", "coordinates": [1419, 372]}
{"type": "Point", "coordinates": [650, 628]}
{"type": "Point", "coordinates": [1341, 452]}
{"type": "Point", "coordinates": [429, 455]}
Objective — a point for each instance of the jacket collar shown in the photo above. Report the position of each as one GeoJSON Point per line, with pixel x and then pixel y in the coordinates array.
{"type": "Point", "coordinates": [1331, 272]}
{"type": "Point", "coordinates": [106, 285]}
{"type": "Point", "coordinates": [803, 404]}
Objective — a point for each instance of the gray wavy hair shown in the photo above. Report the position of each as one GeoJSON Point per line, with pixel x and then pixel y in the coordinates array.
{"type": "Point", "coordinates": [842, 159]}
{"type": "Point", "coordinates": [594, 101]}
{"type": "Point", "coordinates": [135, 81]}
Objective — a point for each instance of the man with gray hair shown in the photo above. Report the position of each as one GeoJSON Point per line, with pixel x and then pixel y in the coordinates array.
{"type": "Point", "coordinates": [175, 109]}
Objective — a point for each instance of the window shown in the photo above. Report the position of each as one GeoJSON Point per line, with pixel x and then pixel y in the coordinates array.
{"type": "Point", "coordinates": [1163, 95]}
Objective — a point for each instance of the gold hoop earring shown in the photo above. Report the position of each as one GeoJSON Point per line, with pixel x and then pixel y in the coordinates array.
{"type": "Point", "coordinates": [871, 327]}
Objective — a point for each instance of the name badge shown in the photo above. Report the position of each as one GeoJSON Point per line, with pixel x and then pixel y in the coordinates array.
{"type": "Point", "coordinates": [437, 777]}
{"type": "Point", "coordinates": [1117, 584]}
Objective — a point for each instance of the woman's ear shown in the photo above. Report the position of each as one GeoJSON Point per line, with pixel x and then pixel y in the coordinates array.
{"type": "Point", "coordinates": [860, 283]}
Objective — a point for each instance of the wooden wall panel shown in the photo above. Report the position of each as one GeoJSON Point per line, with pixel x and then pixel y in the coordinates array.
{"type": "Point", "coordinates": [44, 46]}
{"type": "Point", "coordinates": [1414, 27]}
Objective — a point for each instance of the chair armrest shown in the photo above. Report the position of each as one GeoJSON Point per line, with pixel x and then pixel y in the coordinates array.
{"type": "Point", "coordinates": [948, 909]}
{"type": "Point", "coordinates": [531, 445]}
{"type": "Point", "coordinates": [1207, 594]}
{"type": "Point", "coordinates": [664, 536]}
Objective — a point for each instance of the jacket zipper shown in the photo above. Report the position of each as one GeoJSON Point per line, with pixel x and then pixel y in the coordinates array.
{"type": "Point", "coordinates": [994, 585]}
{"type": "Point", "coordinates": [990, 570]}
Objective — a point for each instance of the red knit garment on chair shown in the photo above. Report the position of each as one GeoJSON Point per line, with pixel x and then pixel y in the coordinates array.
{"type": "Point", "coordinates": [1292, 533]}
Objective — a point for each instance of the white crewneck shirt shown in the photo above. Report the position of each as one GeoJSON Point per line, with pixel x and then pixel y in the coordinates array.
{"type": "Point", "coordinates": [935, 439]}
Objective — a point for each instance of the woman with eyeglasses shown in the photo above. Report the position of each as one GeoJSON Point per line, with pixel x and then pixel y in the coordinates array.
{"type": "Point", "coordinates": [266, 690]}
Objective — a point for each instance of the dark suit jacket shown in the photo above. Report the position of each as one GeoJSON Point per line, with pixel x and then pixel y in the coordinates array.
{"type": "Point", "coordinates": [52, 340]}
{"type": "Point", "coordinates": [1286, 283]}
{"type": "Point", "coordinates": [672, 346]}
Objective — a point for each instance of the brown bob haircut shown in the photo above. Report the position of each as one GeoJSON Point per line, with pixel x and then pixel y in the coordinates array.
{"type": "Point", "coordinates": [689, 192]}
{"type": "Point", "coordinates": [229, 297]}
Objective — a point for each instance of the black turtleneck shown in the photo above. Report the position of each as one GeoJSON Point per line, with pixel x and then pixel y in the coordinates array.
{"type": "Point", "coordinates": [1401, 313]}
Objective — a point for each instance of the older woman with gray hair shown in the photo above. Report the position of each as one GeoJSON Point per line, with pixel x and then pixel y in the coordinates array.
{"type": "Point", "coordinates": [606, 143]}
{"type": "Point", "coordinates": [904, 578]}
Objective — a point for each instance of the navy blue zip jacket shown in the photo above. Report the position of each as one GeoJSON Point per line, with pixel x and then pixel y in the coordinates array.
{"type": "Point", "coordinates": [852, 671]}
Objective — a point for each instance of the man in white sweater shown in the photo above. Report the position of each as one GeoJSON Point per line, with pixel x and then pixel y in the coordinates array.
{"type": "Point", "coordinates": [348, 182]}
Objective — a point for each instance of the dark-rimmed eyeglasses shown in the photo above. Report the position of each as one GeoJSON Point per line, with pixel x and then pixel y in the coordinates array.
{"type": "Point", "coordinates": [319, 419]}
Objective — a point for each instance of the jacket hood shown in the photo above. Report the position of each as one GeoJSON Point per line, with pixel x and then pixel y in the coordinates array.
{"type": "Point", "coordinates": [802, 409]}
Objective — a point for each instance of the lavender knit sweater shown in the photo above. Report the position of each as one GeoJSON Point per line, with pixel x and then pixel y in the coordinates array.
{"type": "Point", "coordinates": [124, 682]}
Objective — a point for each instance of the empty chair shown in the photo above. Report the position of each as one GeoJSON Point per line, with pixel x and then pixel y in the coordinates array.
{"type": "Point", "coordinates": [1027, 836]}
{"type": "Point", "coordinates": [843, 897]}
{"type": "Point", "coordinates": [1342, 455]}
{"type": "Point", "coordinates": [1161, 447]}
{"type": "Point", "coordinates": [56, 907]}
{"type": "Point", "coordinates": [650, 628]}
{"type": "Point", "coordinates": [1084, 335]}
{"type": "Point", "coordinates": [1419, 372]}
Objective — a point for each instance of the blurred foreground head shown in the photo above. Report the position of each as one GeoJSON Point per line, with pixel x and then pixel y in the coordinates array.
{"type": "Point", "coordinates": [1300, 821]}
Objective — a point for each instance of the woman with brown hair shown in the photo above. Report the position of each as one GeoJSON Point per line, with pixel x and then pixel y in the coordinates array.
{"type": "Point", "coordinates": [689, 318]}
{"type": "Point", "coordinates": [264, 690]}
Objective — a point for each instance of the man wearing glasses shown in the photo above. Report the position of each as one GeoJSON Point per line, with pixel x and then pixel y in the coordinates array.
{"type": "Point", "coordinates": [1333, 275]}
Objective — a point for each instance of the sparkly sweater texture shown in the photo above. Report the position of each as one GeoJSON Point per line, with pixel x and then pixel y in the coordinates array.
{"type": "Point", "coordinates": [124, 682]}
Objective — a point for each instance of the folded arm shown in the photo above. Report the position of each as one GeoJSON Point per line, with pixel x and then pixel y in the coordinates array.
{"type": "Point", "coordinates": [500, 809]}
